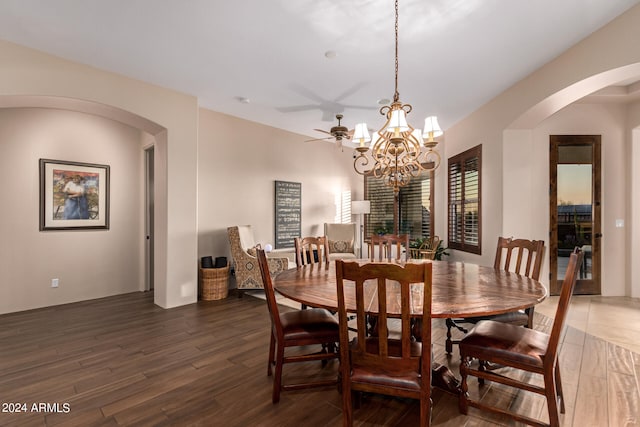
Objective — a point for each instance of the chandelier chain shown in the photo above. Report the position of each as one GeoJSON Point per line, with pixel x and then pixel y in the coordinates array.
{"type": "Point", "coordinates": [395, 154]}
{"type": "Point", "coordinates": [396, 95]}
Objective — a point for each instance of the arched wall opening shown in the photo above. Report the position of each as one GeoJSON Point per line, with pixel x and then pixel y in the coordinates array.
{"type": "Point", "coordinates": [87, 263]}
{"type": "Point", "coordinates": [525, 171]}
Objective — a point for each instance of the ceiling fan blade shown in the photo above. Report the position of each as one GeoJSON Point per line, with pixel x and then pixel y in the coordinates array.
{"type": "Point", "coordinates": [361, 107]}
{"type": "Point", "coordinates": [296, 108]}
{"type": "Point", "coordinates": [319, 139]}
{"type": "Point", "coordinates": [323, 131]}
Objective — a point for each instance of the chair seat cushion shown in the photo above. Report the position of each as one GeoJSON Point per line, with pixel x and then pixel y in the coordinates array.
{"type": "Point", "coordinates": [311, 323]}
{"type": "Point", "coordinates": [405, 379]}
{"type": "Point", "coordinates": [496, 341]}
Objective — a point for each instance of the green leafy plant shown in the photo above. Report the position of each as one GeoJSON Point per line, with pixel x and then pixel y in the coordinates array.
{"type": "Point", "coordinates": [441, 251]}
{"type": "Point", "coordinates": [415, 244]}
{"type": "Point", "coordinates": [382, 230]}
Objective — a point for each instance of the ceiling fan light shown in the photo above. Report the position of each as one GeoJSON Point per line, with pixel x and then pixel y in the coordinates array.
{"type": "Point", "coordinates": [398, 122]}
{"type": "Point", "coordinates": [361, 134]}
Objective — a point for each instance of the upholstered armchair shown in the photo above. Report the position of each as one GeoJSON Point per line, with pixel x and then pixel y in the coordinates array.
{"type": "Point", "coordinates": [245, 262]}
{"type": "Point", "coordinates": [341, 240]}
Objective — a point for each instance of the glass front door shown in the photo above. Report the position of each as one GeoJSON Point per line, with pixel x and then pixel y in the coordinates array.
{"type": "Point", "coordinates": [575, 209]}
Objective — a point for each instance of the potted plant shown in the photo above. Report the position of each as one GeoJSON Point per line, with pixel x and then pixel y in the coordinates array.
{"type": "Point", "coordinates": [440, 251]}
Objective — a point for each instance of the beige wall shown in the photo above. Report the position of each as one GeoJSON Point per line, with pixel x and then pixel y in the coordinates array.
{"type": "Point", "coordinates": [526, 182]}
{"type": "Point", "coordinates": [514, 129]}
{"type": "Point", "coordinates": [33, 78]}
{"type": "Point", "coordinates": [238, 162]}
{"type": "Point", "coordinates": [89, 264]}
{"type": "Point", "coordinates": [633, 218]}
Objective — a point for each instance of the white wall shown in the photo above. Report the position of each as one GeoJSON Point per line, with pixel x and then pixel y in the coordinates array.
{"type": "Point", "coordinates": [238, 162]}
{"type": "Point", "coordinates": [91, 263]}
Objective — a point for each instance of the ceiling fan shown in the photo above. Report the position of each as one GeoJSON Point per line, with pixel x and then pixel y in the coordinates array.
{"type": "Point", "coordinates": [338, 132]}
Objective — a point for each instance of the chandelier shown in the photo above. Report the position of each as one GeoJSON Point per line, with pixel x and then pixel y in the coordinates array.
{"type": "Point", "coordinates": [396, 150]}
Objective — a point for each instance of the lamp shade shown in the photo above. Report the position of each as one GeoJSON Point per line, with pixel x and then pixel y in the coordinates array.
{"type": "Point", "coordinates": [431, 128]}
{"type": "Point", "coordinates": [398, 122]}
{"type": "Point", "coordinates": [361, 134]}
{"type": "Point", "coordinates": [360, 207]}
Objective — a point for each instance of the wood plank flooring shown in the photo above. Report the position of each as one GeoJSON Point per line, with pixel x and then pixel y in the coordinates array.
{"type": "Point", "coordinates": [123, 361]}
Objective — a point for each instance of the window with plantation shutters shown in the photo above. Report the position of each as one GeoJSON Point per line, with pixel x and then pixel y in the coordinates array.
{"type": "Point", "coordinates": [415, 207]}
{"type": "Point", "coordinates": [465, 226]}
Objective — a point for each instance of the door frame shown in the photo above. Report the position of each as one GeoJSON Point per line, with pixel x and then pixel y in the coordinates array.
{"type": "Point", "coordinates": [583, 286]}
{"type": "Point", "coordinates": [149, 206]}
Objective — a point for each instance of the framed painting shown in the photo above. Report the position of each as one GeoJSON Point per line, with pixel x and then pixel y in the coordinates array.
{"type": "Point", "coordinates": [73, 195]}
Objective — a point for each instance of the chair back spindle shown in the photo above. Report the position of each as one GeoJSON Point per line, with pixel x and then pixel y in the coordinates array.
{"type": "Point", "coordinates": [311, 250]}
{"type": "Point", "coordinates": [384, 245]}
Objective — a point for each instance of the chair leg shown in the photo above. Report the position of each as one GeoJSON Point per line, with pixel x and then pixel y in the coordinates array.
{"type": "Point", "coordinates": [452, 324]}
{"type": "Point", "coordinates": [463, 405]}
{"type": "Point", "coordinates": [552, 398]}
{"type": "Point", "coordinates": [277, 380]}
{"type": "Point", "coordinates": [559, 388]}
{"type": "Point", "coordinates": [448, 344]}
{"type": "Point", "coordinates": [482, 366]}
{"type": "Point", "coordinates": [272, 349]}
{"type": "Point", "coordinates": [347, 404]}
{"type": "Point", "coordinates": [529, 311]}
{"type": "Point", "coordinates": [425, 412]}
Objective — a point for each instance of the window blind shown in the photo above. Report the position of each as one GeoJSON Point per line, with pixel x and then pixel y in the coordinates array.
{"type": "Point", "coordinates": [464, 205]}
{"type": "Point", "coordinates": [414, 207]}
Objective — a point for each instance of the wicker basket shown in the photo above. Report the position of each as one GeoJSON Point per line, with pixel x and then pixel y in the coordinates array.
{"type": "Point", "coordinates": [214, 283]}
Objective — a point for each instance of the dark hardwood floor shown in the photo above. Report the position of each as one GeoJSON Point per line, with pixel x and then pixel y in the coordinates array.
{"type": "Point", "coordinates": [123, 361]}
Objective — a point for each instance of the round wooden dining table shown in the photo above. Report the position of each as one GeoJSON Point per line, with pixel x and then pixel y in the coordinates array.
{"type": "Point", "coordinates": [458, 290]}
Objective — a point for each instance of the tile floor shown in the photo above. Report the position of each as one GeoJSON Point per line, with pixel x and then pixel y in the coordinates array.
{"type": "Point", "coordinates": [613, 319]}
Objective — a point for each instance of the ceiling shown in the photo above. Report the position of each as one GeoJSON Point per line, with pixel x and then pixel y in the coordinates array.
{"type": "Point", "coordinates": [294, 64]}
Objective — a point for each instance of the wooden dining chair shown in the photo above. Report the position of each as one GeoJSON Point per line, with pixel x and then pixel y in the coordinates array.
{"type": "Point", "coordinates": [311, 250]}
{"type": "Point", "coordinates": [384, 244]}
{"type": "Point", "coordinates": [298, 328]}
{"type": "Point", "coordinates": [520, 256]}
{"type": "Point", "coordinates": [380, 364]}
{"type": "Point", "coordinates": [427, 250]}
{"type": "Point", "coordinates": [516, 348]}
